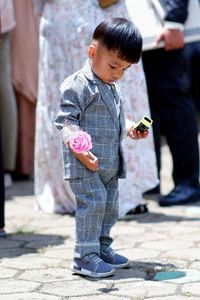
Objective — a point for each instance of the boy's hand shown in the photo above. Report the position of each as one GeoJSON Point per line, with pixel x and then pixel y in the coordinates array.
{"type": "Point", "coordinates": [88, 160]}
{"type": "Point", "coordinates": [137, 134]}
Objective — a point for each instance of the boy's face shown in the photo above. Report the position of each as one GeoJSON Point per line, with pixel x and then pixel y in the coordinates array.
{"type": "Point", "coordinates": [106, 64]}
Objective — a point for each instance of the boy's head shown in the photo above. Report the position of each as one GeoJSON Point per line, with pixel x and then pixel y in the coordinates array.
{"type": "Point", "coordinates": [116, 44]}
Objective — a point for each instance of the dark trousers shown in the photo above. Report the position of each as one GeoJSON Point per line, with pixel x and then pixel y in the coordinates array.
{"type": "Point", "coordinates": [193, 57]}
{"type": "Point", "coordinates": [173, 111]}
{"type": "Point", "coordinates": [2, 189]}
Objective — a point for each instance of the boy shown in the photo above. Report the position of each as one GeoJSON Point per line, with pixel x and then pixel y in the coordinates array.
{"type": "Point", "coordinates": [90, 102]}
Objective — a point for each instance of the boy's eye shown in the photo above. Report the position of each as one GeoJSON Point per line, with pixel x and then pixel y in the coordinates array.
{"type": "Point", "coordinates": [112, 67]}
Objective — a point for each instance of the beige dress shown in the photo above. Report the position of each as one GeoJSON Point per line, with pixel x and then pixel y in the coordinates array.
{"type": "Point", "coordinates": [65, 33]}
{"type": "Point", "coordinates": [24, 60]}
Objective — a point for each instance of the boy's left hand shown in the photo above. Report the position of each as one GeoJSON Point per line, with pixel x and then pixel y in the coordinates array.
{"type": "Point", "coordinates": [137, 134]}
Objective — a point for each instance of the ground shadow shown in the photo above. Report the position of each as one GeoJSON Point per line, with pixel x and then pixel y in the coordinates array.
{"type": "Point", "coordinates": [157, 218]}
{"type": "Point", "coordinates": [138, 270]}
{"type": "Point", "coordinates": [20, 188]}
{"type": "Point", "coordinates": [18, 244]}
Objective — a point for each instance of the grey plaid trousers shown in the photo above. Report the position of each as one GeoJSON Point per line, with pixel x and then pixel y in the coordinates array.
{"type": "Point", "coordinates": [97, 211]}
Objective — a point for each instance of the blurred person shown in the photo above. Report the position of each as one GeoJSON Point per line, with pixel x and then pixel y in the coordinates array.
{"type": "Point", "coordinates": [65, 32]}
{"type": "Point", "coordinates": [24, 61]}
{"type": "Point", "coordinates": [193, 58]}
{"type": "Point", "coordinates": [172, 106]}
{"type": "Point", "coordinates": [8, 109]}
{"type": "Point", "coordinates": [2, 196]}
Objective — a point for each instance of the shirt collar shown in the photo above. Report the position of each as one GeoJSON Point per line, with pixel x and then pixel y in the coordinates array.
{"type": "Point", "coordinates": [87, 71]}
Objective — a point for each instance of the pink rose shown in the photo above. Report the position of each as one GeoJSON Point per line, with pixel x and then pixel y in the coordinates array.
{"type": "Point", "coordinates": [80, 142]}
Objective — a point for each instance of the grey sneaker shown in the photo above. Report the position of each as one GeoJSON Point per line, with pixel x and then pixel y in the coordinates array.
{"type": "Point", "coordinates": [92, 265]}
{"type": "Point", "coordinates": [115, 260]}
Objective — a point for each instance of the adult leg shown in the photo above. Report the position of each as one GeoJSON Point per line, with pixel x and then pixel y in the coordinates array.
{"type": "Point", "coordinates": [8, 107]}
{"type": "Point", "coordinates": [2, 190]}
{"type": "Point", "coordinates": [168, 85]}
{"type": "Point", "coordinates": [169, 80]}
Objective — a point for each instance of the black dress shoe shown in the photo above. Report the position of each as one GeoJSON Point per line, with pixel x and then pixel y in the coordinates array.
{"type": "Point", "coordinates": [2, 233]}
{"type": "Point", "coordinates": [153, 191]}
{"type": "Point", "coordinates": [140, 209]}
{"type": "Point", "coordinates": [180, 195]}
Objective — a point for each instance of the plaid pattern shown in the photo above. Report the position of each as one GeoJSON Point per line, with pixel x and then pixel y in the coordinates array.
{"type": "Point", "coordinates": [97, 211]}
{"type": "Point", "coordinates": [89, 103]}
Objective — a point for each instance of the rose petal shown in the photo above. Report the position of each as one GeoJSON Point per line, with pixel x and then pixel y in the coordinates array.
{"type": "Point", "coordinates": [80, 142]}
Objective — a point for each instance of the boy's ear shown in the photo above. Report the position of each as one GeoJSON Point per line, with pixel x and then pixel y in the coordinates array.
{"type": "Point", "coordinates": [92, 51]}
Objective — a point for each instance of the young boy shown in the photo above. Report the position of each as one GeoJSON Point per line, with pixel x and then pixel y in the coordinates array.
{"type": "Point", "coordinates": [90, 102]}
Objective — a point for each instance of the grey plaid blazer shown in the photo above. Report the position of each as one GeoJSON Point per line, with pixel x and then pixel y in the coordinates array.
{"type": "Point", "coordinates": [89, 103]}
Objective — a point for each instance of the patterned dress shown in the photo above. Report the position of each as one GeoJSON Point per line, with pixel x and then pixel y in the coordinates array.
{"type": "Point", "coordinates": [66, 28]}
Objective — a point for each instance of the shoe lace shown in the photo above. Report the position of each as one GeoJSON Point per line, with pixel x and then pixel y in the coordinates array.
{"type": "Point", "coordinates": [109, 251]}
{"type": "Point", "coordinates": [93, 258]}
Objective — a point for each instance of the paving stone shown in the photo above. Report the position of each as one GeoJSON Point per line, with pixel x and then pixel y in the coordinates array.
{"type": "Point", "coordinates": [65, 231]}
{"type": "Point", "coordinates": [36, 241]}
{"type": "Point", "coordinates": [14, 252]}
{"type": "Point", "coordinates": [17, 286]}
{"type": "Point", "coordinates": [188, 254]}
{"type": "Point", "coordinates": [126, 275]}
{"type": "Point", "coordinates": [29, 296]}
{"type": "Point", "coordinates": [195, 210]}
{"type": "Point", "coordinates": [7, 273]}
{"type": "Point", "coordinates": [105, 296]}
{"type": "Point", "coordinates": [177, 297]}
{"type": "Point", "coordinates": [30, 262]}
{"type": "Point", "coordinates": [165, 245]}
{"type": "Point", "coordinates": [48, 275]}
{"type": "Point", "coordinates": [152, 266]}
{"type": "Point", "coordinates": [195, 265]}
{"type": "Point", "coordinates": [191, 289]}
{"type": "Point", "coordinates": [7, 244]}
{"type": "Point", "coordinates": [135, 238]}
{"type": "Point", "coordinates": [194, 237]}
{"type": "Point", "coordinates": [60, 254]}
{"type": "Point", "coordinates": [124, 229]}
{"type": "Point", "coordinates": [74, 288]}
{"type": "Point", "coordinates": [144, 289]}
{"type": "Point", "coordinates": [136, 253]}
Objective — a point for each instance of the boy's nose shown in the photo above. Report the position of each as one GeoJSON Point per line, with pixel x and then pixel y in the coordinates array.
{"type": "Point", "coordinates": [117, 74]}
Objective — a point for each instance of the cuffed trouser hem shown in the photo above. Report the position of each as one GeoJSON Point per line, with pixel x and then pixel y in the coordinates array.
{"type": "Point", "coordinates": [83, 249]}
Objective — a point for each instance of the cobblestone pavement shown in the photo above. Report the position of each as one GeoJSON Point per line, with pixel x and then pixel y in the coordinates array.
{"type": "Point", "coordinates": [163, 247]}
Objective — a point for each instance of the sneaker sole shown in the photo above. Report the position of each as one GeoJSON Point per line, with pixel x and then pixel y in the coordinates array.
{"type": "Point", "coordinates": [85, 272]}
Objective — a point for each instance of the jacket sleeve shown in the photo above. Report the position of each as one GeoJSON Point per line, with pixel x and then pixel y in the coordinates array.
{"type": "Point", "coordinates": [176, 10]}
{"type": "Point", "coordinates": [71, 104]}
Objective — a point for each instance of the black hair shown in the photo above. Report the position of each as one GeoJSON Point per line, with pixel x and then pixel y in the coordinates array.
{"type": "Point", "coordinates": [122, 36]}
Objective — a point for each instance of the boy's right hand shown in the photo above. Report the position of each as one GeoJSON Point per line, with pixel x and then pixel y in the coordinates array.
{"type": "Point", "coordinates": [88, 160]}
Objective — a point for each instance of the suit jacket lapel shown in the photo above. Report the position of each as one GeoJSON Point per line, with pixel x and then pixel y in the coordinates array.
{"type": "Point", "coordinates": [106, 93]}
{"type": "Point", "coordinates": [107, 96]}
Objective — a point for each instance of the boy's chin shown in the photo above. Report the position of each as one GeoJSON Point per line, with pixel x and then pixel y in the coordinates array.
{"type": "Point", "coordinates": [110, 81]}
